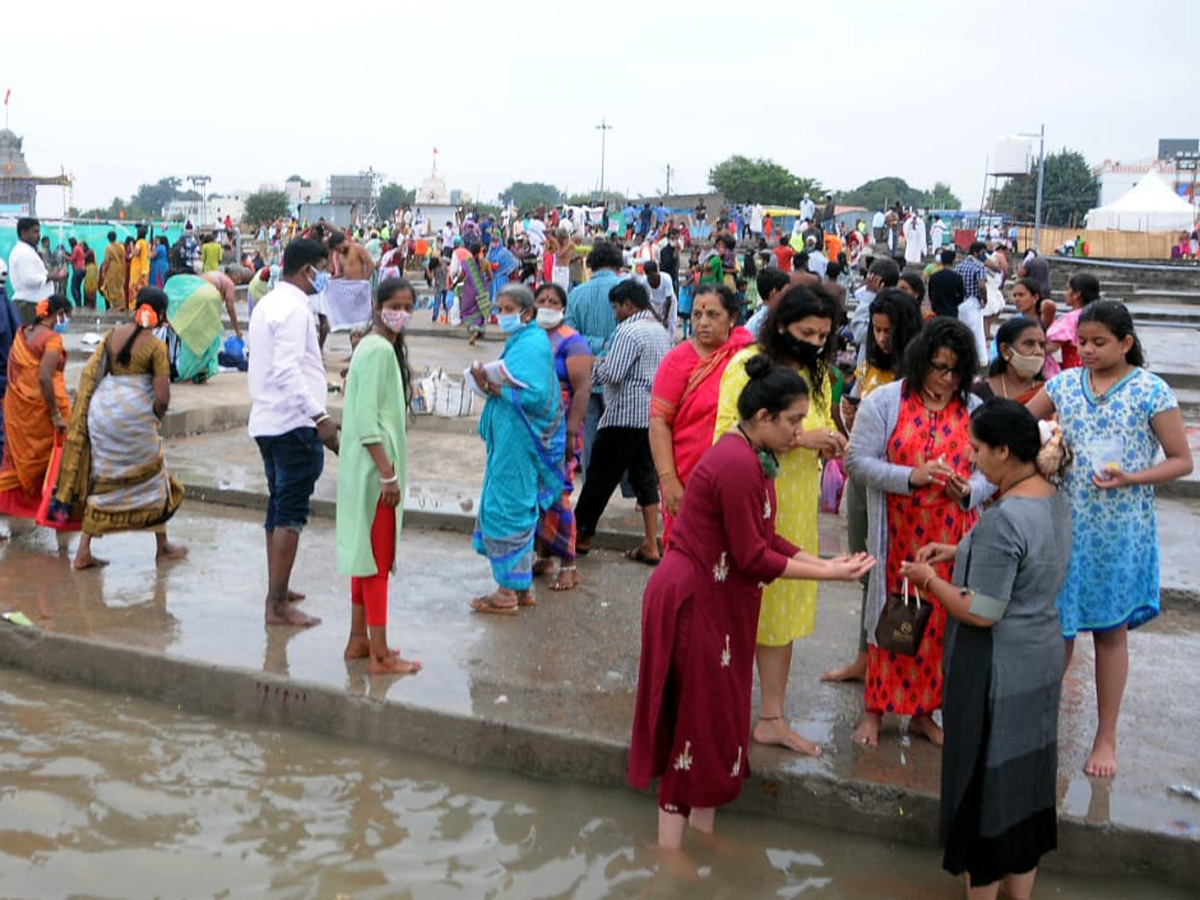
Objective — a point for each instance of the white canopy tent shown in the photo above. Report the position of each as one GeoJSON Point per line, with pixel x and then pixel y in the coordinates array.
{"type": "Point", "coordinates": [1150, 206]}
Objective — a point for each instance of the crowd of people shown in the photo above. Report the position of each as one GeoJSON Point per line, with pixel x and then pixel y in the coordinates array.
{"type": "Point", "coordinates": [956, 455]}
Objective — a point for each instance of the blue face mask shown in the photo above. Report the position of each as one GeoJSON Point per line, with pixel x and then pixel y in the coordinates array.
{"type": "Point", "coordinates": [509, 322]}
{"type": "Point", "coordinates": [320, 281]}
{"type": "Point", "coordinates": [61, 325]}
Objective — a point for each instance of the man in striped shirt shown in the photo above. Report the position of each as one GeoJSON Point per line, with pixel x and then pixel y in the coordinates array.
{"type": "Point", "coordinates": [623, 439]}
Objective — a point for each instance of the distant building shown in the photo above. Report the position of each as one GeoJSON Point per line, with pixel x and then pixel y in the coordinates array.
{"type": "Point", "coordinates": [1118, 178]}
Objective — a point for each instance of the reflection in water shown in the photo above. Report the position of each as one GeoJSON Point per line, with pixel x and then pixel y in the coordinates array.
{"type": "Point", "coordinates": [106, 796]}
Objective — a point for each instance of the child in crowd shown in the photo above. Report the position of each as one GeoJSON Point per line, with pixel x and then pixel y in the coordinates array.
{"type": "Point", "coordinates": [1115, 415]}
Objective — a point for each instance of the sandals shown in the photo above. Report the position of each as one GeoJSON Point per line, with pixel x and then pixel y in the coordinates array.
{"type": "Point", "coordinates": [489, 606]}
{"type": "Point", "coordinates": [636, 555]}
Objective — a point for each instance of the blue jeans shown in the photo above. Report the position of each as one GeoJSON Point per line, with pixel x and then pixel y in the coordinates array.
{"type": "Point", "coordinates": [441, 300]}
{"type": "Point", "coordinates": [293, 462]}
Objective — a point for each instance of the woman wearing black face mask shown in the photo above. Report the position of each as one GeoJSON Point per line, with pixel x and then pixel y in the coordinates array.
{"type": "Point", "coordinates": [798, 334]}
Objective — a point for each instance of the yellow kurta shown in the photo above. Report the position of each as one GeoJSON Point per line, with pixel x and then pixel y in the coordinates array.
{"type": "Point", "coordinates": [789, 606]}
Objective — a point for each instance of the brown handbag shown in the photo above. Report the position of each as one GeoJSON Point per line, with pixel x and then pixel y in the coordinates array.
{"type": "Point", "coordinates": [903, 621]}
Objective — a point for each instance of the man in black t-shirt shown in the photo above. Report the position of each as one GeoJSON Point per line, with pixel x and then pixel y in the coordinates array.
{"type": "Point", "coordinates": [946, 288]}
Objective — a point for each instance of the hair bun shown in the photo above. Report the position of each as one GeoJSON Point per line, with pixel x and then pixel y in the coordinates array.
{"type": "Point", "coordinates": [759, 366]}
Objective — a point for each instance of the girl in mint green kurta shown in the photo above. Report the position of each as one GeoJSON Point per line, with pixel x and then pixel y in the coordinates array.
{"type": "Point", "coordinates": [371, 470]}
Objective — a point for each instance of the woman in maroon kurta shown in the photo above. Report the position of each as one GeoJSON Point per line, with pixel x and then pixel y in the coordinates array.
{"type": "Point", "coordinates": [700, 611]}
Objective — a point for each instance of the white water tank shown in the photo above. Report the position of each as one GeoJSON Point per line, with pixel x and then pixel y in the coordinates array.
{"type": "Point", "coordinates": [1012, 156]}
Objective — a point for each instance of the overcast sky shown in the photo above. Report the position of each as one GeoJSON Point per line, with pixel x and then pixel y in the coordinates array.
{"type": "Point", "coordinates": [250, 92]}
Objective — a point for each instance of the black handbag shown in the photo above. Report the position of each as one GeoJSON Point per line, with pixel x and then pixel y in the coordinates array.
{"type": "Point", "coordinates": [903, 621]}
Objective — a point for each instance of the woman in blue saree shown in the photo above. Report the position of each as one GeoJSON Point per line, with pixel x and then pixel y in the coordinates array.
{"type": "Point", "coordinates": [523, 429]}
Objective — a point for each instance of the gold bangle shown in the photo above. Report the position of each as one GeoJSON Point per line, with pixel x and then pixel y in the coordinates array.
{"type": "Point", "coordinates": [664, 472]}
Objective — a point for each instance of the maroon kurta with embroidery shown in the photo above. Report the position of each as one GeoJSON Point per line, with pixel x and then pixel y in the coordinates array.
{"type": "Point", "coordinates": [691, 724]}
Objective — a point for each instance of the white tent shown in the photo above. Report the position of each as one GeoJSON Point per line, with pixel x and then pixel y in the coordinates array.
{"type": "Point", "coordinates": [1150, 206]}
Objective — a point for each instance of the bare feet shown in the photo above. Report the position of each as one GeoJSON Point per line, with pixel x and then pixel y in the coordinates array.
{"type": "Point", "coordinates": [867, 732]}
{"type": "Point", "coordinates": [566, 579]}
{"type": "Point", "coordinates": [294, 596]}
{"type": "Point", "coordinates": [170, 552]}
{"type": "Point", "coordinates": [855, 671]}
{"type": "Point", "coordinates": [473, 339]}
{"type": "Point", "coordinates": [88, 562]}
{"type": "Point", "coordinates": [1102, 761]}
{"type": "Point", "coordinates": [357, 647]}
{"type": "Point", "coordinates": [527, 598]}
{"type": "Point", "coordinates": [775, 731]}
{"type": "Point", "coordinates": [543, 565]}
{"type": "Point", "coordinates": [281, 614]}
{"type": "Point", "coordinates": [926, 728]}
{"type": "Point", "coordinates": [392, 664]}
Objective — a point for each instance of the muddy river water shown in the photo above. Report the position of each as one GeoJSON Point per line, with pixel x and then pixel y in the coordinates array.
{"type": "Point", "coordinates": [103, 796]}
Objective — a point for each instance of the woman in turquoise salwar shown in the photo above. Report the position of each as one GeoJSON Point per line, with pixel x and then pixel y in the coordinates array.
{"type": "Point", "coordinates": [371, 470]}
{"type": "Point", "coordinates": [523, 428]}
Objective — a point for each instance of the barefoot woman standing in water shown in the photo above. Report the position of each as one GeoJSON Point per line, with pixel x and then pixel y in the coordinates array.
{"type": "Point", "coordinates": [371, 470]}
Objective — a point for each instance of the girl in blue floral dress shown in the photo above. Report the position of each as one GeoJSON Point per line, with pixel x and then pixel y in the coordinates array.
{"type": "Point", "coordinates": [1115, 415]}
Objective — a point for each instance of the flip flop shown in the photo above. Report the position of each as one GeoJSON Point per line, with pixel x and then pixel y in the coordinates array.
{"type": "Point", "coordinates": [487, 605]}
{"type": "Point", "coordinates": [636, 555]}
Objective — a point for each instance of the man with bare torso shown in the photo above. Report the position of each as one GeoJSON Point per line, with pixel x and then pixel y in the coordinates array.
{"type": "Point", "coordinates": [349, 260]}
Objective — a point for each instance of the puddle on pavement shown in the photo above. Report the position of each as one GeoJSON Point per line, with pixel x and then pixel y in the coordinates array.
{"type": "Point", "coordinates": [105, 796]}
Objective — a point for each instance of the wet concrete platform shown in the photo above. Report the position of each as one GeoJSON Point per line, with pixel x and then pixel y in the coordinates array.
{"type": "Point", "coordinates": [550, 692]}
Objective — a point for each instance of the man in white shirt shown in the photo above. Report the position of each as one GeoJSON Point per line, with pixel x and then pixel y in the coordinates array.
{"type": "Point", "coordinates": [808, 209]}
{"type": "Point", "coordinates": [757, 213]}
{"type": "Point", "coordinates": [662, 296]}
{"type": "Point", "coordinates": [914, 239]}
{"type": "Point", "coordinates": [288, 420]}
{"type": "Point", "coordinates": [28, 280]}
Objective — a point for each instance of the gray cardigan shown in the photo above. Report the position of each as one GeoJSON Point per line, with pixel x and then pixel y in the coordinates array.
{"type": "Point", "coordinates": [866, 463]}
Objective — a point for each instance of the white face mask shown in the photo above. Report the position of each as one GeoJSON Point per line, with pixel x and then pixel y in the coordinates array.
{"type": "Point", "coordinates": [549, 318]}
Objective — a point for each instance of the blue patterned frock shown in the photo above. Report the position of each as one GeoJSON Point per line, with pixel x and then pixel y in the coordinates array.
{"type": "Point", "coordinates": [1113, 576]}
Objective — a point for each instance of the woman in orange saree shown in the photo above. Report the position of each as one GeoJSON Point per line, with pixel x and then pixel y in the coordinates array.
{"type": "Point", "coordinates": [36, 408]}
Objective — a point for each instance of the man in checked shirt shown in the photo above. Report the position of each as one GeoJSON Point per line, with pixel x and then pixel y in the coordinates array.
{"type": "Point", "coordinates": [623, 439]}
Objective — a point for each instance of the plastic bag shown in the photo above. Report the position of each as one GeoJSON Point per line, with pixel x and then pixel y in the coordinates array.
{"type": "Point", "coordinates": [51, 513]}
{"type": "Point", "coordinates": [833, 482]}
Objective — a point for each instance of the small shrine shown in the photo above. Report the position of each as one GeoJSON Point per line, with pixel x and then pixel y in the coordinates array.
{"type": "Point", "coordinates": [18, 185]}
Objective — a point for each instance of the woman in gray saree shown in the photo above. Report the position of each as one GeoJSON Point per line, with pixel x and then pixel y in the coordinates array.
{"type": "Point", "coordinates": [1003, 662]}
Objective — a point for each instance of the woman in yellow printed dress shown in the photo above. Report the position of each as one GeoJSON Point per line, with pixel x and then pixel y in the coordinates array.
{"type": "Point", "coordinates": [798, 334]}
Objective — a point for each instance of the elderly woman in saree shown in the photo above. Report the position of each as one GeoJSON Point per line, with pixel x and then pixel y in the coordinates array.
{"type": "Point", "coordinates": [112, 472]}
{"type": "Point", "coordinates": [36, 407]}
{"type": "Point", "coordinates": [523, 429]}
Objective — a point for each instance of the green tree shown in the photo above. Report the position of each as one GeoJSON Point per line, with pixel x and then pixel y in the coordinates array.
{"type": "Point", "coordinates": [529, 195]}
{"type": "Point", "coordinates": [152, 199]}
{"type": "Point", "coordinates": [265, 206]}
{"type": "Point", "coordinates": [391, 197]}
{"type": "Point", "coordinates": [304, 182]}
{"type": "Point", "coordinates": [615, 198]}
{"type": "Point", "coordinates": [941, 197]}
{"type": "Point", "coordinates": [880, 193]}
{"type": "Point", "coordinates": [1069, 190]}
{"type": "Point", "coordinates": [745, 180]}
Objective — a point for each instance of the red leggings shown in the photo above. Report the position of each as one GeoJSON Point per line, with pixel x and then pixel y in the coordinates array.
{"type": "Point", "coordinates": [372, 591]}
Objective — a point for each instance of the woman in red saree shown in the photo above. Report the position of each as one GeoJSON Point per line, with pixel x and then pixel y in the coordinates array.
{"type": "Point", "coordinates": [683, 401]}
{"type": "Point", "coordinates": [691, 724]}
{"type": "Point", "coordinates": [36, 408]}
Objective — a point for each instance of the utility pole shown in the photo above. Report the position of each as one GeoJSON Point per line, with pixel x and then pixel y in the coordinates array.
{"type": "Point", "coordinates": [668, 180]}
{"type": "Point", "coordinates": [602, 128]}
{"type": "Point", "coordinates": [1037, 212]}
